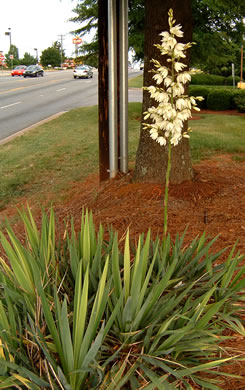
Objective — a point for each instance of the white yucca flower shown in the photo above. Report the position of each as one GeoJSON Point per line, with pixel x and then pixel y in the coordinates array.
{"type": "Point", "coordinates": [168, 81]}
{"type": "Point", "coordinates": [176, 30]}
{"type": "Point", "coordinates": [181, 104]}
{"type": "Point", "coordinates": [158, 77]}
{"type": "Point", "coordinates": [179, 50]}
{"type": "Point", "coordinates": [161, 141]}
{"type": "Point", "coordinates": [178, 66]}
{"type": "Point", "coordinates": [174, 107]}
{"type": "Point", "coordinates": [184, 78]}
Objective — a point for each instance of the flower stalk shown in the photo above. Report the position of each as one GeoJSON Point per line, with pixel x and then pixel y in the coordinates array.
{"type": "Point", "coordinates": [174, 106]}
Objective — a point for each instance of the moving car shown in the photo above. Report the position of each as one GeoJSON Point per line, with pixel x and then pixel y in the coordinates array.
{"type": "Point", "coordinates": [33, 71]}
{"type": "Point", "coordinates": [82, 72]}
{"type": "Point", "coordinates": [18, 70]}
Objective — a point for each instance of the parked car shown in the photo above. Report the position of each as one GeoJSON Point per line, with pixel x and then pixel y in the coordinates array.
{"type": "Point", "coordinates": [33, 71]}
{"type": "Point", "coordinates": [82, 72]}
{"type": "Point", "coordinates": [18, 70]}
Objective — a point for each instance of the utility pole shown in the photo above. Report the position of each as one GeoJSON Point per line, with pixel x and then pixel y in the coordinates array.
{"type": "Point", "coordinates": [61, 49]}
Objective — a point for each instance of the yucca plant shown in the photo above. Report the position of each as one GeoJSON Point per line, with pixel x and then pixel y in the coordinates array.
{"type": "Point", "coordinates": [176, 305]}
{"type": "Point", "coordinates": [85, 315]}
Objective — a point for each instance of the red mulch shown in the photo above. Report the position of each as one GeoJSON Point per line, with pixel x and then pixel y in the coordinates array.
{"type": "Point", "coordinates": [213, 202]}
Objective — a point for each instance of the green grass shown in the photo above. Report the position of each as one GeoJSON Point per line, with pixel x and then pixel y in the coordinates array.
{"type": "Point", "coordinates": [136, 82]}
{"type": "Point", "coordinates": [214, 134]}
{"type": "Point", "coordinates": [56, 154]}
{"type": "Point", "coordinates": [53, 155]}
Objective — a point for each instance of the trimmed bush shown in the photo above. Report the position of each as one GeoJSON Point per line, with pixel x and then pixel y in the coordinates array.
{"type": "Point", "coordinates": [229, 80]}
{"type": "Point", "coordinates": [207, 79]}
{"type": "Point", "coordinates": [199, 91]}
{"type": "Point", "coordinates": [219, 99]}
{"type": "Point", "coordinates": [239, 101]}
{"type": "Point", "coordinates": [212, 79]}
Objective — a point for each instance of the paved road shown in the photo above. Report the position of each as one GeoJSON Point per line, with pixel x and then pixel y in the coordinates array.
{"type": "Point", "coordinates": [24, 102]}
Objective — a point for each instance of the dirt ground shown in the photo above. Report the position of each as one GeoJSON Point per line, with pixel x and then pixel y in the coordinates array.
{"type": "Point", "coordinates": [213, 202]}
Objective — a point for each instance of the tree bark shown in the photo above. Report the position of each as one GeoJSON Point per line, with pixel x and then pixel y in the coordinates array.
{"type": "Point", "coordinates": [151, 158]}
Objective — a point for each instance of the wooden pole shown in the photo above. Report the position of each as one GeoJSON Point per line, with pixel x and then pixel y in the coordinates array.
{"type": "Point", "coordinates": [103, 90]}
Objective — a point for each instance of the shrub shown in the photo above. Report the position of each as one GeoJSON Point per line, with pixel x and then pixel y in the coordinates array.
{"type": "Point", "coordinates": [207, 79]}
{"type": "Point", "coordinates": [203, 91]}
{"type": "Point", "coordinates": [229, 80]}
{"type": "Point", "coordinates": [239, 101]}
{"type": "Point", "coordinates": [77, 313]}
{"type": "Point", "coordinates": [219, 99]}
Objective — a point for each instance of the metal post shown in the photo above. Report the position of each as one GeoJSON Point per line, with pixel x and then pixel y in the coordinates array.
{"type": "Point", "coordinates": [242, 63]}
{"type": "Point", "coordinates": [123, 105]}
{"type": "Point", "coordinates": [112, 93]}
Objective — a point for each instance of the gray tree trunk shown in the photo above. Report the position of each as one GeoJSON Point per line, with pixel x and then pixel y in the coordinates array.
{"type": "Point", "coordinates": [151, 158]}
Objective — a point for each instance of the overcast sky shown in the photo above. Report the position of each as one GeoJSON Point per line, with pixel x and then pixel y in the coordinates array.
{"type": "Point", "coordinates": [36, 24]}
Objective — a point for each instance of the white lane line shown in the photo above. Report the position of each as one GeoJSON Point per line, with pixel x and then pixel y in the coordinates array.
{"type": "Point", "coordinates": [9, 105]}
{"type": "Point", "coordinates": [61, 89]}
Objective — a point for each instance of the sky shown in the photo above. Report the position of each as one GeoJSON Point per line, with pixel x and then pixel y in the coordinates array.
{"type": "Point", "coordinates": [36, 24]}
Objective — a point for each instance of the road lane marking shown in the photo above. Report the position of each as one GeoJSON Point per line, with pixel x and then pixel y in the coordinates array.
{"type": "Point", "coordinates": [9, 105]}
{"type": "Point", "coordinates": [31, 86]}
{"type": "Point", "coordinates": [61, 89]}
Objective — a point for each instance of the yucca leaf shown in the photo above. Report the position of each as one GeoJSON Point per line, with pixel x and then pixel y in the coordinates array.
{"type": "Point", "coordinates": [160, 383]}
{"type": "Point", "coordinates": [146, 284]}
{"type": "Point", "coordinates": [116, 267]}
{"type": "Point", "coordinates": [204, 367]}
{"type": "Point", "coordinates": [86, 244]}
{"type": "Point", "coordinates": [126, 268]}
{"type": "Point", "coordinates": [156, 290]}
{"type": "Point", "coordinates": [95, 316]}
{"type": "Point", "coordinates": [80, 311]}
{"type": "Point", "coordinates": [50, 322]}
{"type": "Point", "coordinates": [18, 259]}
{"type": "Point", "coordinates": [65, 336]}
{"type": "Point", "coordinates": [212, 310]}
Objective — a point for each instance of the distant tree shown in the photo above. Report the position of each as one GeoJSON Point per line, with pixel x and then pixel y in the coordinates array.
{"type": "Point", "coordinates": [50, 56]}
{"type": "Point", "coordinates": [28, 59]}
{"type": "Point", "coordinates": [88, 53]}
{"type": "Point", "coordinates": [57, 45]}
{"type": "Point", "coordinates": [217, 29]}
{"type": "Point", "coordinates": [13, 51]}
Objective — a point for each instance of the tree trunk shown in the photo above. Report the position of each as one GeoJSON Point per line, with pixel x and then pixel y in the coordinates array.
{"type": "Point", "coordinates": [151, 158]}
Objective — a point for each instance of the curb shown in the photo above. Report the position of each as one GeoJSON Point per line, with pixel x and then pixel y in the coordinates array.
{"type": "Point", "coordinates": [23, 131]}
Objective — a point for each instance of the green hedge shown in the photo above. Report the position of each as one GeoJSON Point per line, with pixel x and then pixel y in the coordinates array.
{"type": "Point", "coordinates": [219, 98]}
{"type": "Point", "coordinates": [211, 79]}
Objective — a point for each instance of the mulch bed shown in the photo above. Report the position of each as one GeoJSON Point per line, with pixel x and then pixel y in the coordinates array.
{"type": "Point", "coordinates": [214, 202]}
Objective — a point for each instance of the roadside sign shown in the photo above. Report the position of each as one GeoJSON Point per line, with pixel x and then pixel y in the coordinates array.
{"type": "Point", "coordinates": [77, 40]}
{"type": "Point", "coordinates": [11, 56]}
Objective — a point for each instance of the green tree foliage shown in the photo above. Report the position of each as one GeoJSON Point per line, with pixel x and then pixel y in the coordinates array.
{"type": "Point", "coordinates": [28, 59]}
{"type": "Point", "coordinates": [13, 51]}
{"type": "Point", "coordinates": [218, 30]}
{"type": "Point", "coordinates": [51, 56]}
{"type": "Point", "coordinates": [88, 53]}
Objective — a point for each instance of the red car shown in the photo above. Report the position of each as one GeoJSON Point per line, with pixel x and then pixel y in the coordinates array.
{"type": "Point", "coordinates": [18, 70]}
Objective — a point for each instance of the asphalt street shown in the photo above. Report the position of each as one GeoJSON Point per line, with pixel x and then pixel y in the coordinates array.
{"type": "Point", "coordinates": [25, 102]}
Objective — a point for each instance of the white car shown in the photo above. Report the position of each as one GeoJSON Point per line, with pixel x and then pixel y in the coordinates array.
{"type": "Point", "coordinates": [82, 72]}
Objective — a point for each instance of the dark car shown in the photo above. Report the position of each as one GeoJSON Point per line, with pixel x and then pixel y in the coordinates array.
{"type": "Point", "coordinates": [33, 71]}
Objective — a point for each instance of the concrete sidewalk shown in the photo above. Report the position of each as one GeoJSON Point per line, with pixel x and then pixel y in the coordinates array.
{"type": "Point", "coordinates": [5, 72]}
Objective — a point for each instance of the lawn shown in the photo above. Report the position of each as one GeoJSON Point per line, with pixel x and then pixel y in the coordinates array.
{"type": "Point", "coordinates": [65, 150]}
